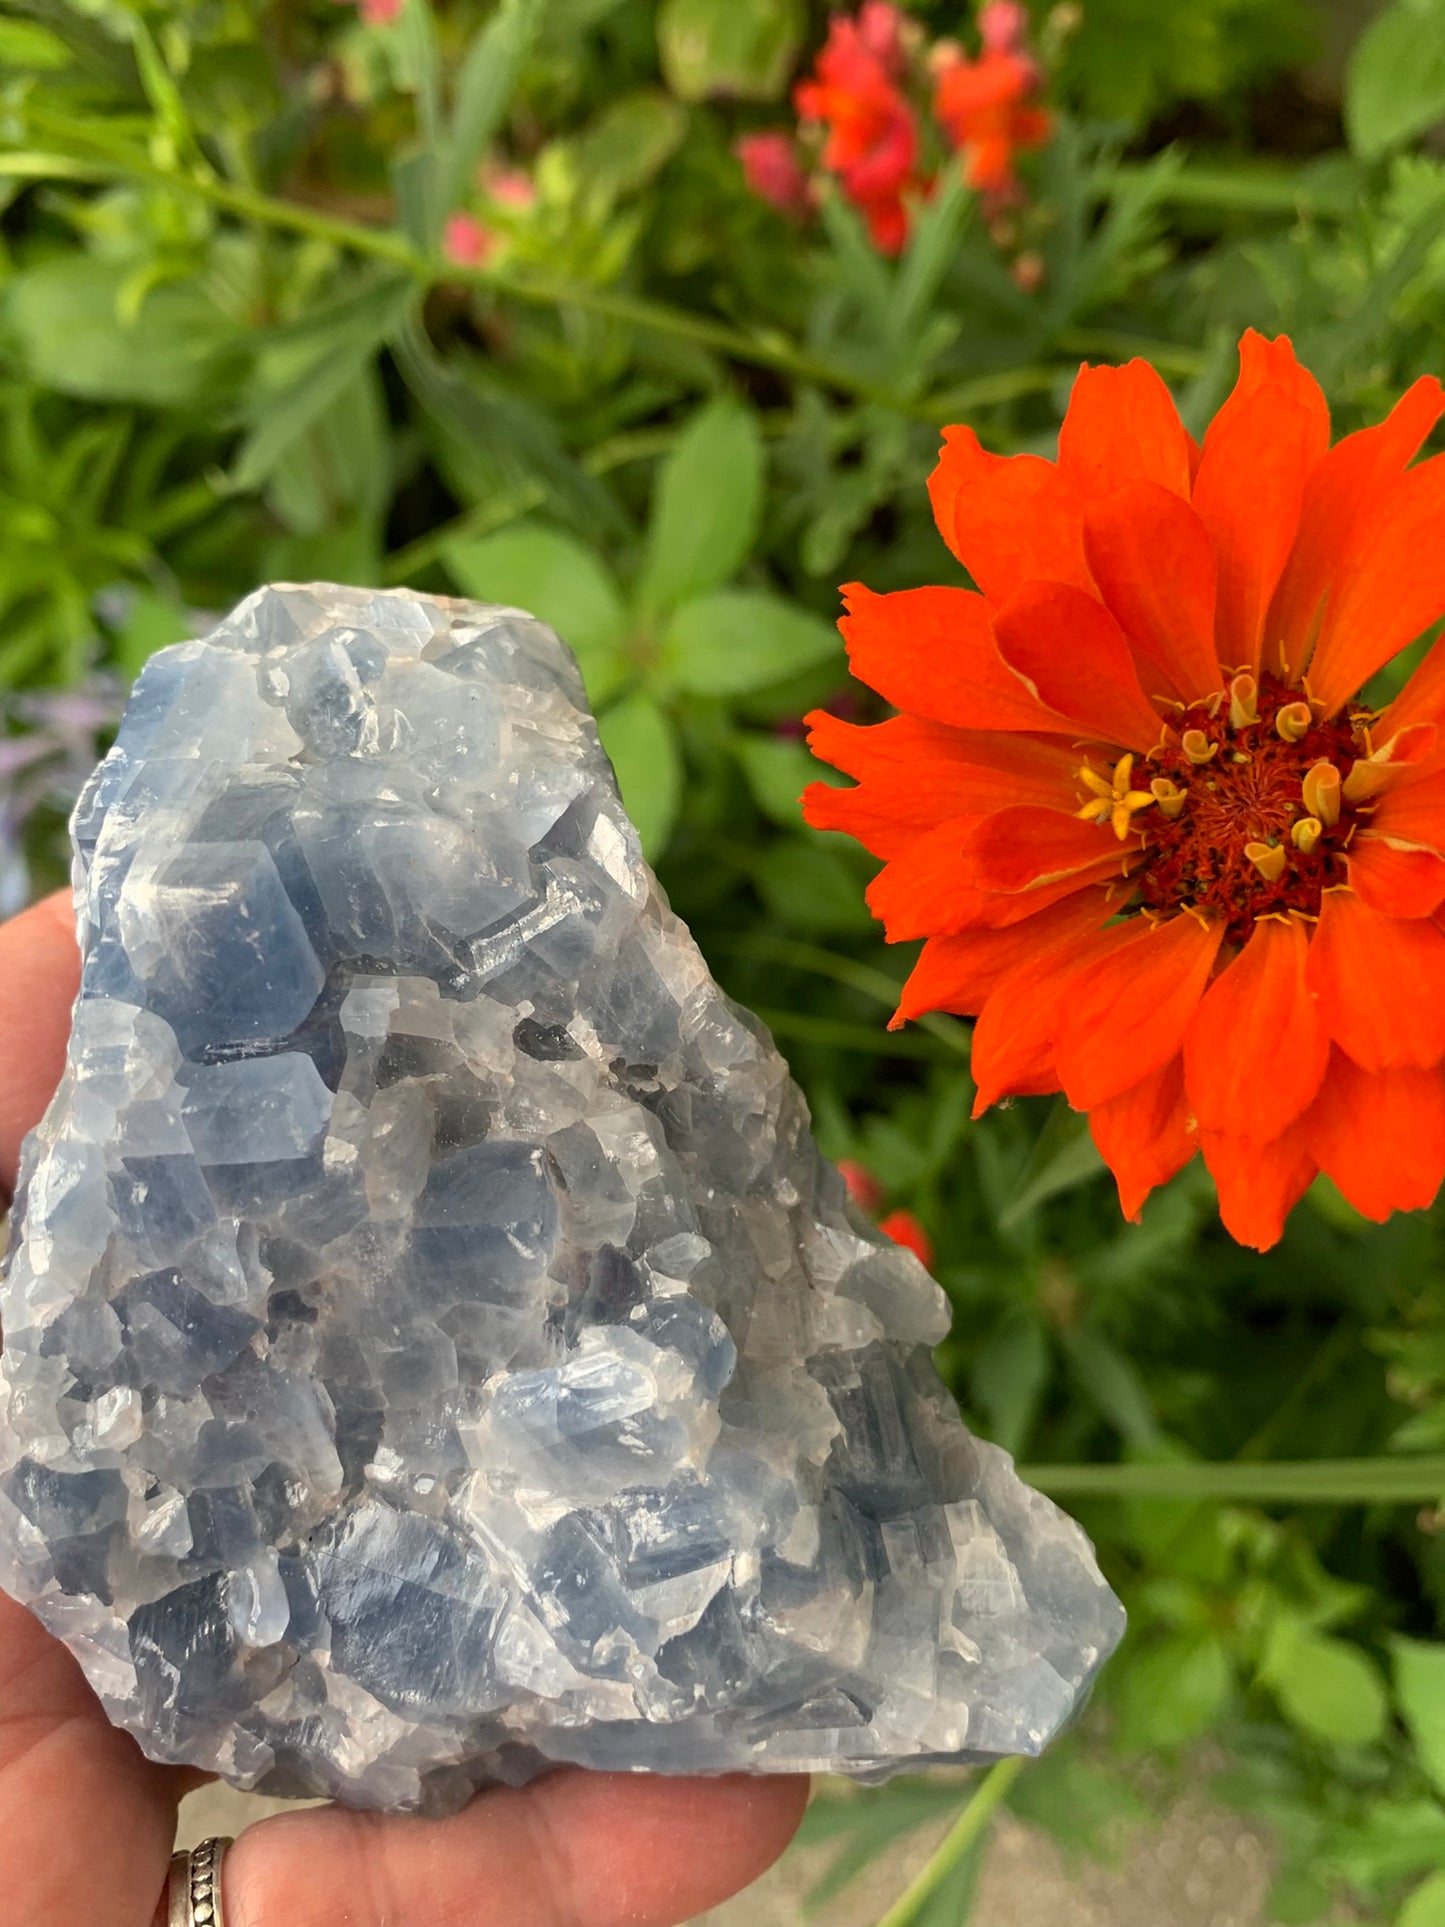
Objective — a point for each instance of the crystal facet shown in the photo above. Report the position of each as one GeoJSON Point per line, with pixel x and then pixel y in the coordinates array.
{"type": "Point", "coordinates": [434, 1346]}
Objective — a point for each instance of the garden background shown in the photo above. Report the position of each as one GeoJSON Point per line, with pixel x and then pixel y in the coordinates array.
{"type": "Point", "coordinates": [491, 299]}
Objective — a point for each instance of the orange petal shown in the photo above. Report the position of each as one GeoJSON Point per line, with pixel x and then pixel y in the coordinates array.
{"type": "Point", "coordinates": [932, 651]}
{"type": "Point", "coordinates": [1412, 813]}
{"type": "Point", "coordinates": [913, 774]}
{"type": "Point", "coordinates": [1339, 487]}
{"type": "Point", "coordinates": [1013, 1053]}
{"type": "Point", "coordinates": [1154, 563]}
{"type": "Point", "coordinates": [1264, 363]}
{"type": "Point", "coordinates": [1258, 1184]}
{"type": "Point", "coordinates": [1380, 1135]}
{"type": "Point", "coordinates": [1126, 1013]}
{"type": "Point", "coordinates": [1402, 883]}
{"type": "Point", "coordinates": [941, 884]}
{"type": "Point", "coordinates": [1018, 849]}
{"type": "Point", "coordinates": [1248, 494]}
{"type": "Point", "coordinates": [1121, 427]}
{"type": "Point", "coordinates": [1143, 1135]}
{"type": "Point", "coordinates": [1009, 519]}
{"type": "Point", "coordinates": [1390, 585]}
{"type": "Point", "coordinates": [1256, 1049]}
{"type": "Point", "coordinates": [1380, 983]}
{"type": "Point", "coordinates": [1072, 654]}
{"type": "Point", "coordinates": [958, 973]}
{"type": "Point", "coordinates": [1422, 700]}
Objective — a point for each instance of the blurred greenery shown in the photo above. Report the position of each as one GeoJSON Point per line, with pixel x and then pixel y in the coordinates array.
{"type": "Point", "coordinates": [243, 337]}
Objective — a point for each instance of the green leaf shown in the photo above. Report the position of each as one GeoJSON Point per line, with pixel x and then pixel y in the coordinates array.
{"type": "Point", "coordinates": [742, 48]}
{"type": "Point", "coordinates": [484, 88]}
{"type": "Point", "coordinates": [553, 576]}
{"type": "Point", "coordinates": [1063, 1156]}
{"type": "Point", "coordinates": [1426, 1906]}
{"type": "Point", "coordinates": [640, 740]}
{"type": "Point", "coordinates": [26, 48]}
{"type": "Point", "coordinates": [706, 507]}
{"type": "Point", "coordinates": [1395, 87]}
{"type": "Point", "coordinates": [626, 146]}
{"type": "Point", "coordinates": [1420, 1691]}
{"type": "Point", "coordinates": [64, 320]}
{"type": "Point", "coordinates": [778, 771]}
{"type": "Point", "coordinates": [152, 622]}
{"type": "Point", "coordinates": [302, 371]}
{"type": "Point", "coordinates": [1173, 1691]}
{"type": "Point", "coordinates": [811, 887]}
{"type": "Point", "coordinates": [1326, 1686]}
{"type": "Point", "coordinates": [742, 639]}
{"type": "Point", "coordinates": [1009, 1377]}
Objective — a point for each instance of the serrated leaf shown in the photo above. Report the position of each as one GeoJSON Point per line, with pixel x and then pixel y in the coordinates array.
{"type": "Point", "coordinates": [643, 747]}
{"type": "Point", "coordinates": [741, 48]}
{"type": "Point", "coordinates": [1395, 86]}
{"type": "Point", "coordinates": [553, 576]}
{"type": "Point", "coordinates": [706, 507]}
{"type": "Point", "coordinates": [739, 640]}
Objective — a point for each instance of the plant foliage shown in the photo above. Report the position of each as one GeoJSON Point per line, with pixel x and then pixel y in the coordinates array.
{"type": "Point", "coordinates": [475, 297]}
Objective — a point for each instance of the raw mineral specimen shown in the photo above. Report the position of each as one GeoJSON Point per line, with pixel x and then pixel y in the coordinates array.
{"type": "Point", "coordinates": [434, 1347]}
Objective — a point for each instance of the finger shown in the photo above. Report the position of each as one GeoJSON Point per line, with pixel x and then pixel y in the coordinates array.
{"type": "Point", "coordinates": [87, 1821]}
{"type": "Point", "coordinates": [575, 1849]}
{"type": "Point", "coordinates": [39, 976]}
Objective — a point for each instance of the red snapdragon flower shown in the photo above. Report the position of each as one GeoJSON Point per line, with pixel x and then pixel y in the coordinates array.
{"type": "Point", "coordinates": [1154, 837]}
{"type": "Point", "coordinates": [987, 107]}
{"type": "Point", "coordinates": [872, 142]}
{"type": "Point", "coordinates": [901, 1226]}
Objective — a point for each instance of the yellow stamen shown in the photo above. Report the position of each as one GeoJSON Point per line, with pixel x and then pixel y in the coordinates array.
{"type": "Point", "coordinates": [1170, 798]}
{"type": "Point", "coordinates": [1197, 746]}
{"type": "Point", "coordinates": [1243, 701]}
{"type": "Point", "coordinates": [1322, 792]}
{"type": "Point", "coordinates": [1113, 802]}
{"type": "Point", "coordinates": [1306, 833]}
{"type": "Point", "coordinates": [1268, 858]}
{"type": "Point", "coordinates": [1294, 721]}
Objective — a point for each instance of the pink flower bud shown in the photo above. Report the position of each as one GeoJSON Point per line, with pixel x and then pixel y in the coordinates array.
{"type": "Point", "coordinates": [1003, 25]}
{"type": "Point", "coordinates": [773, 172]}
{"type": "Point", "coordinates": [467, 241]}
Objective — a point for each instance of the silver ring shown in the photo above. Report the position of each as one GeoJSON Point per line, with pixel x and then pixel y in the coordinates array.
{"type": "Point", "coordinates": [193, 1890]}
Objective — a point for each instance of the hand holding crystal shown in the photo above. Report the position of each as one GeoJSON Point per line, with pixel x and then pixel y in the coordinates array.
{"type": "Point", "coordinates": [89, 1822]}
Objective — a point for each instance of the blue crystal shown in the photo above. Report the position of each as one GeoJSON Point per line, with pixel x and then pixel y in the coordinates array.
{"type": "Point", "coordinates": [434, 1347]}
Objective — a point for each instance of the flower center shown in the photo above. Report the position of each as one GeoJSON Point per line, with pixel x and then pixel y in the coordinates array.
{"type": "Point", "coordinates": [1245, 808]}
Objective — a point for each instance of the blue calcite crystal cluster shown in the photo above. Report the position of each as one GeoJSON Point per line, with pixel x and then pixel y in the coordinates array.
{"type": "Point", "coordinates": [434, 1346]}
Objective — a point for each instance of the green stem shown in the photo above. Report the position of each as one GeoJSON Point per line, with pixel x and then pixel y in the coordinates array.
{"type": "Point", "coordinates": [1383, 1481]}
{"type": "Point", "coordinates": [962, 1837]}
{"type": "Point", "coordinates": [386, 244]}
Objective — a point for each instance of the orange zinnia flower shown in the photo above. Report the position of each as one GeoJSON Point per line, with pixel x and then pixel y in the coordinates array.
{"type": "Point", "coordinates": [1153, 836]}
